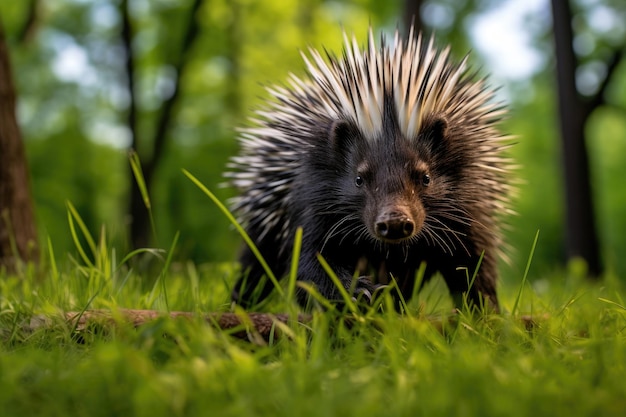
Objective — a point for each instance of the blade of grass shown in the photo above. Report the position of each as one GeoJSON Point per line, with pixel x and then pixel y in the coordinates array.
{"type": "Point", "coordinates": [313, 294]}
{"type": "Point", "coordinates": [239, 229]}
{"type": "Point", "coordinates": [156, 252]}
{"type": "Point", "coordinates": [103, 260]}
{"type": "Point", "coordinates": [135, 165]}
{"type": "Point", "coordinates": [293, 272]}
{"type": "Point", "coordinates": [85, 308]}
{"type": "Point", "coordinates": [419, 280]}
{"type": "Point", "coordinates": [160, 283]}
{"type": "Point", "coordinates": [470, 282]}
{"type": "Point", "coordinates": [194, 285]}
{"type": "Point", "coordinates": [475, 274]}
{"type": "Point", "coordinates": [166, 268]}
{"type": "Point", "coordinates": [72, 215]}
{"type": "Point", "coordinates": [401, 299]}
{"type": "Point", "coordinates": [525, 277]}
{"type": "Point", "coordinates": [342, 291]}
{"type": "Point", "coordinates": [53, 263]}
{"type": "Point", "coordinates": [606, 300]}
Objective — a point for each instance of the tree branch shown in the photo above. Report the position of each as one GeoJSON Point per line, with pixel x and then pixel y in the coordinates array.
{"type": "Point", "coordinates": [140, 226]}
{"type": "Point", "coordinates": [29, 27]}
{"type": "Point", "coordinates": [598, 99]}
{"type": "Point", "coordinates": [167, 112]}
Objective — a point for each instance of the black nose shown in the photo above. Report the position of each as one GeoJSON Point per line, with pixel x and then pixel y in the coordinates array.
{"type": "Point", "coordinates": [394, 226]}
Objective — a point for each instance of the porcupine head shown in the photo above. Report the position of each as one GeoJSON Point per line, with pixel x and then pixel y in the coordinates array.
{"type": "Point", "coordinates": [396, 159]}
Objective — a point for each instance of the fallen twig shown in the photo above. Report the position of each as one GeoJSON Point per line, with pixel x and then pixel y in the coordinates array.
{"type": "Point", "coordinates": [254, 327]}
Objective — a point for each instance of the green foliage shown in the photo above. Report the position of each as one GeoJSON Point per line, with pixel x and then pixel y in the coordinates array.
{"type": "Point", "coordinates": [538, 201]}
{"type": "Point", "coordinates": [73, 104]}
{"type": "Point", "coordinates": [606, 131]}
{"type": "Point", "coordinates": [570, 362]}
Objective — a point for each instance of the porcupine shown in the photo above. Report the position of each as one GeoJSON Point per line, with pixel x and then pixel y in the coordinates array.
{"type": "Point", "coordinates": [388, 154]}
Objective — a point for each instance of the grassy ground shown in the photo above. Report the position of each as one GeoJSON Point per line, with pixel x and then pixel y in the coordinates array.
{"type": "Point", "coordinates": [571, 363]}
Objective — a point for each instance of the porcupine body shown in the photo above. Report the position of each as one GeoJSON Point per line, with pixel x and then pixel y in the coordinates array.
{"type": "Point", "coordinates": [388, 154]}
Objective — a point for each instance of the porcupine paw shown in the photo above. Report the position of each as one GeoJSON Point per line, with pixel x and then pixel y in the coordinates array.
{"type": "Point", "coordinates": [366, 292]}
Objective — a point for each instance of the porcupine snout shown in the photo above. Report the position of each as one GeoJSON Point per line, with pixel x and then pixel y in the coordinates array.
{"type": "Point", "coordinates": [394, 224]}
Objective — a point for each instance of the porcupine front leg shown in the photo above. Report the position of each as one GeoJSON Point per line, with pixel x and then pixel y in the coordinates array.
{"type": "Point", "coordinates": [310, 270]}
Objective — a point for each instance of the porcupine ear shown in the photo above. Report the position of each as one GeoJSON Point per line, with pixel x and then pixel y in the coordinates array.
{"type": "Point", "coordinates": [438, 126]}
{"type": "Point", "coordinates": [340, 136]}
{"type": "Point", "coordinates": [435, 132]}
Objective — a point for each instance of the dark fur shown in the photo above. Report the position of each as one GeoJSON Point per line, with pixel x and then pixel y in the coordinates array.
{"type": "Point", "coordinates": [422, 194]}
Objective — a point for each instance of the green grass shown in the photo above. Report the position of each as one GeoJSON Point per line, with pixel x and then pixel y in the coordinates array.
{"type": "Point", "coordinates": [572, 363]}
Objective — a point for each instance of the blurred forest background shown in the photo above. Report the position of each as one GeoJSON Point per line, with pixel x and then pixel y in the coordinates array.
{"type": "Point", "coordinates": [173, 80]}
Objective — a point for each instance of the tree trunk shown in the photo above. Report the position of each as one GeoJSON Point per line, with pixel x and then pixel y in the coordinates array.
{"type": "Point", "coordinates": [581, 236]}
{"type": "Point", "coordinates": [18, 237]}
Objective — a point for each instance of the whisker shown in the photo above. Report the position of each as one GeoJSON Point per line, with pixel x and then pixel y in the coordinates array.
{"type": "Point", "coordinates": [438, 240]}
{"type": "Point", "coordinates": [339, 228]}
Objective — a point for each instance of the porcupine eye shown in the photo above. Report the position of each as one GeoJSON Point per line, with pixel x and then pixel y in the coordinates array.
{"type": "Point", "coordinates": [421, 178]}
{"type": "Point", "coordinates": [363, 174]}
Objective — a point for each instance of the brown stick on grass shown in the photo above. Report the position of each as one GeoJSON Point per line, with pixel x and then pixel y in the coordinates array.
{"type": "Point", "coordinates": [254, 327]}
